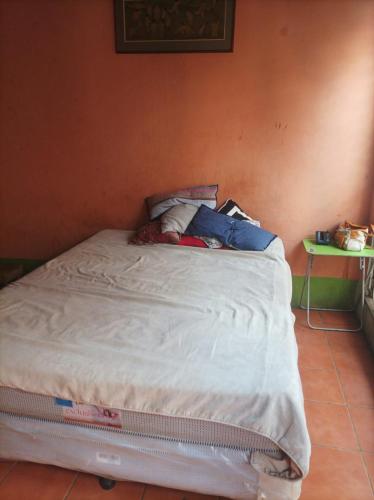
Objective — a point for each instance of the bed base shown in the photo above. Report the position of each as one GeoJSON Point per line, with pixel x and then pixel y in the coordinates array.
{"type": "Point", "coordinates": [200, 468]}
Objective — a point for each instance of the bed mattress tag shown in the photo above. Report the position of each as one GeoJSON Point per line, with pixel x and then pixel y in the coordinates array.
{"type": "Point", "coordinates": [108, 458]}
{"type": "Point", "coordinates": [91, 414]}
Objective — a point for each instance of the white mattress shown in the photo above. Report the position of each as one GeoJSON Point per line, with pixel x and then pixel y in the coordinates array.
{"type": "Point", "coordinates": [185, 430]}
{"type": "Point", "coordinates": [165, 330]}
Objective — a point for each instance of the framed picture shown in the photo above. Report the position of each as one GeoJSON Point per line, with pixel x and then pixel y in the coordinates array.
{"type": "Point", "coordinates": [174, 25]}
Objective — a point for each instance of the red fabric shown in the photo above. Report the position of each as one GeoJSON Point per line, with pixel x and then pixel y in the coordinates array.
{"type": "Point", "coordinates": [191, 241]}
{"type": "Point", "coordinates": [151, 233]}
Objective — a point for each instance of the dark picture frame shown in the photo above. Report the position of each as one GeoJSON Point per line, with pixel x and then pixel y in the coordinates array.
{"type": "Point", "coordinates": [146, 26]}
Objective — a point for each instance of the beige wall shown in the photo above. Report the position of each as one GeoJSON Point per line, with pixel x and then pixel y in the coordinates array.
{"type": "Point", "coordinates": [284, 124]}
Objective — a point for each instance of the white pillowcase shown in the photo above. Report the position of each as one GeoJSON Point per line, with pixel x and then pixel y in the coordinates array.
{"type": "Point", "coordinates": [177, 218]}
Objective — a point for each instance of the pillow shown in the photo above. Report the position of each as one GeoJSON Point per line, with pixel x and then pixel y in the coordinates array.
{"type": "Point", "coordinates": [233, 233]}
{"type": "Point", "coordinates": [191, 241]}
{"type": "Point", "coordinates": [231, 208]}
{"type": "Point", "coordinates": [198, 195]}
{"type": "Point", "coordinates": [177, 218]}
{"type": "Point", "coordinates": [151, 233]}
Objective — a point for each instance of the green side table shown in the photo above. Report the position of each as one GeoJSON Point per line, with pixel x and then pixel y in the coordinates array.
{"type": "Point", "coordinates": [313, 250]}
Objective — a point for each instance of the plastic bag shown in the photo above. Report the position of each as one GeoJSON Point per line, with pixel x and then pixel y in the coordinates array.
{"type": "Point", "coordinates": [351, 237]}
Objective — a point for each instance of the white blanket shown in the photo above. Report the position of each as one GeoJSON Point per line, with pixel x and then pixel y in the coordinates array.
{"type": "Point", "coordinates": [163, 329]}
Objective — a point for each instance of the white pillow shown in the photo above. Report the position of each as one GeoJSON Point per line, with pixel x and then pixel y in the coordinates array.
{"type": "Point", "coordinates": [177, 218]}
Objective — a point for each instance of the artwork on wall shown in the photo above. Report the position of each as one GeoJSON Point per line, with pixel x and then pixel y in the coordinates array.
{"type": "Point", "coordinates": [174, 25]}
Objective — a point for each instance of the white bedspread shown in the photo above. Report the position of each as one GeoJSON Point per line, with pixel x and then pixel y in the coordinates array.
{"type": "Point", "coordinates": [163, 329]}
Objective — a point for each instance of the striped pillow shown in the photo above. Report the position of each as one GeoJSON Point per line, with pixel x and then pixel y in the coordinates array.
{"type": "Point", "coordinates": [151, 233]}
{"type": "Point", "coordinates": [231, 208]}
{"type": "Point", "coordinates": [197, 195]}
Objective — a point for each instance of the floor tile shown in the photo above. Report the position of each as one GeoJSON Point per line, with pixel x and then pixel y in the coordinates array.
{"type": "Point", "coordinates": [358, 387]}
{"type": "Point", "coordinates": [363, 420]}
{"type": "Point", "coordinates": [315, 355]}
{"type": "Point", "coordinates": [87, 487]}
{"type": "Point", "coordinates": [28, 481]}
{"type": "Point", "coordinates": [300, 315]}
{"type": "Point", "coordinates": [355, 365]}
{"type": "Point", "coordinates": [5, 468]}
{"type": "Point", "coordinates": [157, 493]}
{"type": "Point", "coordinates": [336, 474]}
{"type": "Point", "coordinates": [340, 341]}
{"type": "Point", "coordinates": [355, 358]}
{"type": "Point", "coordinates": [321, 385]}
{"type": "Point", "coordinates": [339, 320]}
{"type": "Point", "coordinates": [305, 335]}
{"type": "Point", "coordinates": [330, 425]}
{"type": "Point", "coordinates": [199, 496]}
{"type": "Point", "coordinates": [369, 462]}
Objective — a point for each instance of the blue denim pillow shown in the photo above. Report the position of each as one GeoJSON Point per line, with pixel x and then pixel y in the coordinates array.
{"type": "Point", "coordinates": [238, 234]}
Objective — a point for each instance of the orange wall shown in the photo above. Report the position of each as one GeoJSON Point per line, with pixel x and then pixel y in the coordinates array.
{"type": "Point", "coordinates": [285, 123]}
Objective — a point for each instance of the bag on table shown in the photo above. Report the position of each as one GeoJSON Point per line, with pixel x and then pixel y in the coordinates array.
{"type": "Point", "coordinates": [351, 237]}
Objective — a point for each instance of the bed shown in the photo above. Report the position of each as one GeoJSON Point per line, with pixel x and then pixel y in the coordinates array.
{"type": "Point", "coordinates": [163, 364]}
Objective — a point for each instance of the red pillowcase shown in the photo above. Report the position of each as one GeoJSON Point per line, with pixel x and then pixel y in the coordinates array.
{"type": "Point", "coordinates": [151, 233]}
{"type": "Point", "coordinates": [192, 241]}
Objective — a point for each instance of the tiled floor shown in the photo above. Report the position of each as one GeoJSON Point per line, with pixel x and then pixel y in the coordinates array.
{"type": "Point", "coordinates": [337, 371]}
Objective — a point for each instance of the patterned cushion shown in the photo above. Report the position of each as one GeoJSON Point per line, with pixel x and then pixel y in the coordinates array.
{"type": "Point", "coordinates": [198, 195]}
{"type": "Point", "coordinates": [231, 208]}
{"type": "Point", "coordinates": [151, 233]}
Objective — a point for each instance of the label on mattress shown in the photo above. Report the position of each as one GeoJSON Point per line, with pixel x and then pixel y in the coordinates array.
{"type": "Point", "coordinates": [63, 402]}
{"type": "Point", "coordinates": [108, 458]}
{"type": "Point", "coordinates": [91, 414]}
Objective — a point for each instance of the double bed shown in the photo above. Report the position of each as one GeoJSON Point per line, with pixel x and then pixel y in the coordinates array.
{"type": "Point", "coordinates": [164, 364]}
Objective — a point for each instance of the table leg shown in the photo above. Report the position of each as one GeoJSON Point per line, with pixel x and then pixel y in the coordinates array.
{"type": "Point", "coordinates": [309, 272]}
{"type": "Point", "coordinates": [363, 282]}
{"type": "Point", "coordinates": [308, 308]}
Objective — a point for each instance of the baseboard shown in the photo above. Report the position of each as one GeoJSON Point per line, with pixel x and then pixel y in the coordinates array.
{"type": "Point", "coordinates": [326, 292]}
{"type": "Point", "coordinates": [27, 264]}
